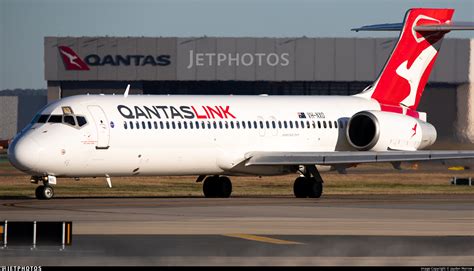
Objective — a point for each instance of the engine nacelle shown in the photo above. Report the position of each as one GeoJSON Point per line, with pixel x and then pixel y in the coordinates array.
{"type": "Point", "coordinates": [380, 131]}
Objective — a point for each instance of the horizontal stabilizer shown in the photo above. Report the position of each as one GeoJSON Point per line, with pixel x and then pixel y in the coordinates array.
{"type": "Point", "coordinates": [445, 27]}
{"type": "Point", "coordinates": [424, 27]}
{"type": "Point", "coordinates": [380, 27]}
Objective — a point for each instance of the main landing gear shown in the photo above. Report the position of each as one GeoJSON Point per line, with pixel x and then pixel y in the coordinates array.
{"type": "Point", "coordinates": [309, 186]}
{"type": "Point", "coordinates": [44, 191]}
{"type": "Point", "coordinates": [217, 187]}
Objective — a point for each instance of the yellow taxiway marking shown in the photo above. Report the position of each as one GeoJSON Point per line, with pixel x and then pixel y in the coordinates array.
{"type": "Point", "coordinates": [263, 239]}
{"type": "Point", "coordinates": [457, 168]}
{"type": "Point", "coordinates": [1, 229]}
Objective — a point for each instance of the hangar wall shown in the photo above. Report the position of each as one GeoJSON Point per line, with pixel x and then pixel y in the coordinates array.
{"type": "Point", "coordinates": [17, 111]}
{"type": "Point", "coordinates": [275, 66]}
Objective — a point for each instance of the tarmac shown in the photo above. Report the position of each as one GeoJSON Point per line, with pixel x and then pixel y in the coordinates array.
{"type": "Point", "coordinates": [421, 230]}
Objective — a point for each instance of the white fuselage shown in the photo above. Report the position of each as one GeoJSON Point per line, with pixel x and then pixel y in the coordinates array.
{"type": "Point", "coordinates": [181, 135]}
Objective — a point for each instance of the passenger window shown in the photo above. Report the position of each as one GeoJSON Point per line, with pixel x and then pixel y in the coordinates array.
{"type": "Point", "coordinates": [273, 124]}
{"type": "Point", "coordinates": [330, 124]}
{"type": "Point", "coordinates": [179, 125]}
{"type": "Point", "coordinates": [243, 124]}
{"type": "Point", "coordinates": [149, 125]}
{"type": "Point", "coordinates": [237, 124]}
{"type": "Point", "coordinates": [125, 124]}
{"type": "Point", "coordinates": [185, 125]}
{"type": "Point", "coordinates": [214, 124]}
{"type": "Point", "coordinates": [173, 125]}
{"type": "Point", "coordinates": [208, 125]}
{"type": "Point", "coordinates": [203, 125]}
{"type": "Point", "coordinates": [279, 124]}
{"type": "Point", "coordinates": [131, 123]}
{"type": "Point", "coordinates": [137, 124]}
{"type": "Point", "coordinates": [285, 124]}
{"type": "Point", "coordinates": [69, 120]}
{"type": "Point", "coordinates": [267, 124]}
{"type": "Point", "coordinates": [324, 124]}
{"type": "Point", "coordinates": [232, 124]}
{"type": "Point", "coordinates": [249, 124]}
{"type": "Point", "coordinates": [291, 124]}
{"type": "Point", "coordinates": [191, 125]}
{"type": "Point", "coordinates": [335, 124]}
{"type": "Point", "coordinates": [155, 124]}
{"type": "Point", "coordinates": [296, 125]}
{"type": "Point", "coordinates": [167, 125]}
{"type": "Point", "coordinates": [143, 125]}
{"type": "Point", "coordinates": [319, 124]}
{"type": "Point", "coordinates": [307, 124]}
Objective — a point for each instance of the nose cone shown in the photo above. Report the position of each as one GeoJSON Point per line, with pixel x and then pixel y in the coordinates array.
{"type": "Point", "coordinates": [24, 153]}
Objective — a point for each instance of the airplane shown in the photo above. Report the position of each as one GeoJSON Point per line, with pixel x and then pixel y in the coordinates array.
{"type": "Point", "coordinates": [214, 137]}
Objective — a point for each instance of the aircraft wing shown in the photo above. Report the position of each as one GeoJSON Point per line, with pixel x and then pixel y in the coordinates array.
{"type": "Point", "coordinates": [349, 157]}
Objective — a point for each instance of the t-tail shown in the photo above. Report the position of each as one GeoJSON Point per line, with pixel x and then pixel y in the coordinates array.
{"type": "Point", "coordinates": [403, 79]}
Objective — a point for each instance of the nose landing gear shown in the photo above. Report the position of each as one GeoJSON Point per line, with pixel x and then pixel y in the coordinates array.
{"type": "Point", "coordinates": [44, 191]}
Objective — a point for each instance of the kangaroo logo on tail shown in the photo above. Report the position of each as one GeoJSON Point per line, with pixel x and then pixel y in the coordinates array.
{"type": "Point", "coordinates": [406, 72]}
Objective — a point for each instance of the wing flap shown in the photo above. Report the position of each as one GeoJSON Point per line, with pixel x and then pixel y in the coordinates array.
{"type": "Point", "coordinates": [349, 157]}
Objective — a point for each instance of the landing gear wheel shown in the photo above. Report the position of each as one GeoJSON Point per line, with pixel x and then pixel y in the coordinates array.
{"type": "Point", "coordinates": [225, 187]}
{"type": "Point", "coordinates": [217, 187]}
{"type": "Point", "coordinates": [315, 188]}
{"type": "Point", "coordinates": [209, 187]}
{"type": "Point", "coordinates": [39, 192]}
{"type": "Point", "coordinates": [44, 192]}
{"type": "Point", "coordinates": [48, 192]}
{"type": "Point", "coordinates": [299, 187]}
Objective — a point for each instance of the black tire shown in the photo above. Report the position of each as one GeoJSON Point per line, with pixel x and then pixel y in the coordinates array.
{"type": "Point", "coordinates": [48, 192]}
{"type": "Point", "coordinates": [225, 187]}
{"type": "Point", "coordinates": [209, 187]}
{"type": "Point", "coordinates": [300, 187]}
{"type": "Point", "coordinates": [39, 192]}
{"type": "Point", "coordinates": [315, 188]}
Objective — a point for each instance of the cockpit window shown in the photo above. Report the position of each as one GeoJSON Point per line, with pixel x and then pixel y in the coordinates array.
{"type": "Point", "coordinates": [55, 119]}
{"type": "Point", "coordinates": [68, 119]}
{"type": "Point", "coordinates": [81, 121]}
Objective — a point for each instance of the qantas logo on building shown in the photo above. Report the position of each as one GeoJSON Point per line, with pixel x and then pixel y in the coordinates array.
{"type": "Point", "coordinates": [73, 62]}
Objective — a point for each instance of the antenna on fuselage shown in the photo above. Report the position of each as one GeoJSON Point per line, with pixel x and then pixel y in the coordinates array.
{"type": "Point", "coordinates": [125, 94]}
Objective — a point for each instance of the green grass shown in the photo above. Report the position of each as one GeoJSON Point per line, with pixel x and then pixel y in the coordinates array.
{"type": "Point", "coordinates": [367, 179]}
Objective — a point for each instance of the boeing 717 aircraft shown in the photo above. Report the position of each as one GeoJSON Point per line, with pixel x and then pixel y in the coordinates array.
{"type": "Point", "coordinates": [213, 137]}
